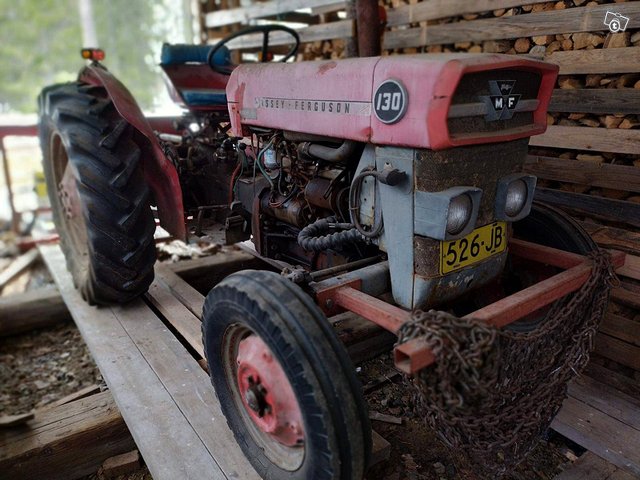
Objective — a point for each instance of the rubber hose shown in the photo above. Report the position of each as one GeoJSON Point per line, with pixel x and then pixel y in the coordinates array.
{"type": "Point", "coordinates": [316, 236]}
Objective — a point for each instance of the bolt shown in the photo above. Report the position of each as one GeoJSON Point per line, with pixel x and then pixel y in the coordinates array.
{"type": "Point", "coordinates": [328, 303]}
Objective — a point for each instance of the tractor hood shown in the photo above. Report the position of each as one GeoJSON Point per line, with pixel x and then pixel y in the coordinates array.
{"type": "Point", "coordinates": [433, 101]}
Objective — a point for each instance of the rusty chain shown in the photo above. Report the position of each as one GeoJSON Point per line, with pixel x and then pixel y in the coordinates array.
{"type": "Point", "coordinates": [492, 392]}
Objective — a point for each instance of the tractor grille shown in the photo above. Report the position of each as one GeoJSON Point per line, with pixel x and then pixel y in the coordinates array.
{"type": "Point", "coordinates": [472, 108]}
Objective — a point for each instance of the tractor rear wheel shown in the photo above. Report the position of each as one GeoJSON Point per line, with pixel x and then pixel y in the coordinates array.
{"type": "Point", "coordinates": [99, 199]}
{"type": "Point", "coordinates": [285, 383]}
{"type": "Point", "coordinates": [547, 226]}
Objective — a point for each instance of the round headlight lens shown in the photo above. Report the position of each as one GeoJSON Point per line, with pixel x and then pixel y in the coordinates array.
{"type": "Point", "coordinates": [516, 197]}
{"type": "Point", "coordinates": [460, 210]}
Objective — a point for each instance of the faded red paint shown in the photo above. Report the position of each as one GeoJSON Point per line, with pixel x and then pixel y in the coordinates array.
{"type": "Point", "coordinates": [158, 171]}
{"type": "Point", "coordinates": [257, 368]}
{"type": "Point", "coordinates": [430, 81]}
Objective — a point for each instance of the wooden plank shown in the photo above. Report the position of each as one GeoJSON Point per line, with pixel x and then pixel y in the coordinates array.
{"type": "Point", "coordinates": [613, 379]}
{"type": "Point", "coordinates": [82, 393]}
{"type": "Point", "coordinates": [600, 433]}
{"type": "Point", "coordinates": [603, 175]}
{"type": "Point", "coordinates": [259, 10]}
{"type": "Point", "coordinates": [189, 387]}
{"type": "Point", "coordinates": [602, 60]}
{"type": "Point", "coordinates": [614, 403]}
{"type": "Point", "coordinates": [571, 20]}
{"type": "Point", "coordinates": [180, 317]}
{"type": "Point", "coordinates": [18, 266]}
{"type": "Point", "coordinates": [631, 267]}
{"type": "Point", "coordinates": [185, 293]}
{"type": "Point", "coordinates": [626, 297]}
{"type": "Point", "coordinates": [588, 467]}
{"type": "Point", "coordinates": [65, 442]}
{"type": "Point", "coordinates": [313, 33]}
{"type": "Point", "coordinates": [590, 139]}
{"type": "Point", "coordinates": [168, 442]}
{"type": "Point", "coordinates": [598, 207]}
{"type": "Point", "coordinates": [616, 238]}
{"type": "Point", "coordinates": [617, 350]}
{"type": "Point", "coordinates": [596, 100]}
{"type": "Point", "coordinates": [33, 309]}
{"type": "Point", "coordinates": [435, 9]}
{"type": "Point", "coordinates": [621, 328]}
{"type": "Point", "coordinates": [204, 273]}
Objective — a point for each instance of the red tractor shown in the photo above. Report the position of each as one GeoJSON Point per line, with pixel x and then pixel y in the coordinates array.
{"type": "Point", "coordinates": [394, 177]}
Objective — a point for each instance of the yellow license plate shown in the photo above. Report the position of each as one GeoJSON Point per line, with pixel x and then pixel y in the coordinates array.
{"type": "Point", "coordinates": [482, 243]}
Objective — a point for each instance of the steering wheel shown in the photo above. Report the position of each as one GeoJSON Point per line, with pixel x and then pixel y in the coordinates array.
{"type": "Point", "coordinates": [266, 30]}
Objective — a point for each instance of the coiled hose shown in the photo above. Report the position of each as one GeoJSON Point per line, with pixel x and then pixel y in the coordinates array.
{"type": "Point", "coordinates": [325, 233]}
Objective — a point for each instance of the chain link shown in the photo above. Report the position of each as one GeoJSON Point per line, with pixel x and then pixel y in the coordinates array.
{"type": "Point", "coordinates": [492, 392]}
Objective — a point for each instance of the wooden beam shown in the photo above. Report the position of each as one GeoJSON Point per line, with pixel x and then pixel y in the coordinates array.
{"type": "Point", "coordinates": [180, 317]}
{"type": "Point", "coordinates": [618, 351]}
{"type": "Point", "coordinates": [33, 309]}
{"type": "Point", "coordinates": [435, 9]}
{"type": "Point", "coordinates": [631, 267]}
{"type": "Point", "coordinates": [588, 466]}
{"type": "Point", "coordinates": [613, 379]}
{"type": "Point", "coordinates": [206, 272]}
{"type": "Point", "coordinates": [602, 60]}
{"type": "Point", "coordinates": [259, 10]}
{"type": "Point", "coordinates": [65, 442]}
{"type": "Point", "coordinates": [626, 297]}
{"type": "Point", "coordinates": [621, 328]}
{"type": "Point", "coordinates": [605, 175]}
{"type": "Point", "coordinates": [571, 20]}
{"type": "Point", "coordinates": [18, 266]}
{"type": "Point", "coordinates": [615, 238]}
{"type": "Point", "coordinates": [597, 100]}
{"type": "Point", "coordinates": [595, 429]}
{"type": "Point", "coordinates": [599, 207]}
{"type": "Point", "coordinates": [589, 138]}
{"type": "Point", "coordinates": [185, 293]}
{"type": "Point", "coordinates": [313, 33]}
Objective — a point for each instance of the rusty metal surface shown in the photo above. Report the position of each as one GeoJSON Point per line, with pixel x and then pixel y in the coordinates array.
{"type": "Point", "coordinates": [368, 28]}
{"type": "Point", "coordinates": [492, 392]}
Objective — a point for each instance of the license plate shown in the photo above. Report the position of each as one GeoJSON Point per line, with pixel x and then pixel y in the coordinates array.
{"type": "Point", "coordinates": [480, 244]}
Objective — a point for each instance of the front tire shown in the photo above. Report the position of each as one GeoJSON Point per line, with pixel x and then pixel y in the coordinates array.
{"type": "Point", "coordinates": [99, 199]}
{"type": "Point", "coordinates": [263, 312]}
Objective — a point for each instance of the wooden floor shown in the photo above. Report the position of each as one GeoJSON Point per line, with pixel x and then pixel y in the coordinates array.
{"type": "Point", "coordinates": [165, 397]}
{"type": "Point", "coordinates": [149, 354]}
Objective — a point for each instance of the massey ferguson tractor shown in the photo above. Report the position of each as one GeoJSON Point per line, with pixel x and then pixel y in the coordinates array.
{"type": "Point", "coordinates": [392, 187]}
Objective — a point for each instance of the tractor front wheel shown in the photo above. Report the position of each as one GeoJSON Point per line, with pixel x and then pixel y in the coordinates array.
{"type": "Point", "coordinates": [99, 199]}
{"type": "Point", "coordinates": [284, 381]}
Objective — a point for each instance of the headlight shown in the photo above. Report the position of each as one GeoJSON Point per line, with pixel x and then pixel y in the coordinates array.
{"type": "Point", "coordinates": [459, 214]}
{"type": "Point", "coordinates": [516, 197]}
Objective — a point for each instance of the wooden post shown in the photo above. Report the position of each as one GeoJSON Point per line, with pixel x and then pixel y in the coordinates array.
{"type": "Point", "coordinates": [15, 217]}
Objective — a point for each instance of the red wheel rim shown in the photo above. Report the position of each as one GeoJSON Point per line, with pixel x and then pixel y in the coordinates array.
{"type": "Point", "coordinates": [267, 394]}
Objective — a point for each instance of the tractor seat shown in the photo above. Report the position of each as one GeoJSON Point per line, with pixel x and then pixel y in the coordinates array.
{"type": "Point", "coordinates": [183, 54]}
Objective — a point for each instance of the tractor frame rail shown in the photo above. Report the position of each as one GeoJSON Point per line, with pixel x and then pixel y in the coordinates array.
{"type": "Point", "coordinates": [347, 293]}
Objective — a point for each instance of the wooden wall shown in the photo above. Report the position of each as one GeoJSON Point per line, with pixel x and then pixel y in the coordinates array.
{"type": "Point", "coordinates": [588, 161]}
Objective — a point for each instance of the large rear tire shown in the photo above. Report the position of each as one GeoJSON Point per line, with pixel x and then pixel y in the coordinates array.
{"type": "Point", "coordinates": [252, 318]}
{"type": "Point", "coordinates": [98, 195]}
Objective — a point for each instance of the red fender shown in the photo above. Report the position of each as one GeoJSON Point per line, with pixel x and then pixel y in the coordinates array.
{"type": "Point", "coordinates": [159, 172]}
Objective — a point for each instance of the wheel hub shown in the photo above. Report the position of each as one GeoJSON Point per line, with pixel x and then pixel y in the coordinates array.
{"type": "Point", "coordinates": [68, 193]}
{"type": "Point", "coordinates": [267, 394]}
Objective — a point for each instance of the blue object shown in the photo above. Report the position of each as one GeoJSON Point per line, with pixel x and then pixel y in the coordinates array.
{"type": "Point", "coordinates": [204, 98]}
{"type": "Point", "coordinates": [180, 53]}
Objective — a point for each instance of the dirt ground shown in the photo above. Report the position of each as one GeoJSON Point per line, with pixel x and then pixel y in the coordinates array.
{"type": "Point", "coordinates": [40, 367]}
